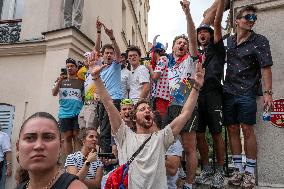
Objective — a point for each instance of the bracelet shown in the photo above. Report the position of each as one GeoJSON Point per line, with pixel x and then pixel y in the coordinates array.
{"type": "Point", "coordinates": [195, 88]}
{"type": "Point", "coordinates": [269, 92]}
{"type": "Point", "coordinates": [8, 163]}
{"type": "Point", "coordinates": [112, 39]}
{"type": "Point", "coordinates": [99, 31]}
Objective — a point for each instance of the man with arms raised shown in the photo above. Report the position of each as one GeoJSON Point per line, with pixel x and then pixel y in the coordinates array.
{"type": "Point", "coordinates": [148, 169]}
{"type": "Point", "coordinates": [181, 68]}
{"type": "Point", "coordinates": [111, 75]}
{"type": "Point", "coordinates": [210, 98]}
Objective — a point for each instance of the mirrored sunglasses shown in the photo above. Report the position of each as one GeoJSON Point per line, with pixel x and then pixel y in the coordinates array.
{"type": "Point", "coordinates": [250, 17]}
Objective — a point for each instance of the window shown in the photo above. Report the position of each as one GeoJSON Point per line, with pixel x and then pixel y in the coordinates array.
{"type": "Point", "coordinates": [11, 9]}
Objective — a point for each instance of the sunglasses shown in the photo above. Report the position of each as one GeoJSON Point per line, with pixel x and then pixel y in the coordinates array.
{"type": "Point", "coordinates": [250, 17]}
{"type": "Point", "coordinates": [126, 102]}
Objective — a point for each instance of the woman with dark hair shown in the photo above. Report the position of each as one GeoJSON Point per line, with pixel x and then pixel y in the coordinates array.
{"type": "Point", "coordinates": [85, 163]}
{"type": "Point", "coordinates": [38, 152]}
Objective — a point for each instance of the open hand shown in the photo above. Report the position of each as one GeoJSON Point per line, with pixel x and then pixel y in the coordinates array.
{"type": "Point", "coordinates": [199, 76]}
{"type": "Point", "coordinates": [99, 24]}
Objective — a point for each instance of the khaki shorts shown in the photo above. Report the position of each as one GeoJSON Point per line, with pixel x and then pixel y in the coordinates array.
{"type": "Point", "coordinates": [88, 116]}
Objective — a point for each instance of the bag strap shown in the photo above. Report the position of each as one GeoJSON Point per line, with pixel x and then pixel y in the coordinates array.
{"type": "Point", "coordinates": [138, 150]}
{"type": "Point", "coordinates": [64, 181]}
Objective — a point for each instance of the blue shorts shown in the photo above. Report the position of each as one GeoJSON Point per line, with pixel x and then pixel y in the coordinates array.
{"type": "Point", "coordinates": [239, 109]}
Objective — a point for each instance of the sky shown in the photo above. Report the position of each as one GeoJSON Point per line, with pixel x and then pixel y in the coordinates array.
{"type": "Point", "coordinates": [167, 18]}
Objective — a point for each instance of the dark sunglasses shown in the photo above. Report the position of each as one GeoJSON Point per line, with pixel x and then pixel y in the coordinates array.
{"type": "Point", "coordinates": [250, 17]}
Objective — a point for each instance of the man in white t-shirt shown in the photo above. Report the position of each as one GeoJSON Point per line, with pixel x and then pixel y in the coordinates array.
{"type": "Point", "coordinates": [148, 169]}
{"type": "Point", "coordinates": [139, 80]}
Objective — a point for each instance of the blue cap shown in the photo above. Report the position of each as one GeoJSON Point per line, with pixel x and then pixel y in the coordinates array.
{"type": "Point", "coordinates": [158, 46]}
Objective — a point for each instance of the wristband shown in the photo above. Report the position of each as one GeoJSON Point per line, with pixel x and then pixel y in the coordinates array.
{"type": "Point", "coordinates": [99, 31]}
{"type": "Point", "coordinates": [8, 163]}
{"type": "Point", "coordinates": [195, 88]}
{"type": "Point", "coordinates": [112, 39]}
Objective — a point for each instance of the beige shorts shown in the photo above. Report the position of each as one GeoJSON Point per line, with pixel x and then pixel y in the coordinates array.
{"type": "Point", "coordinates": [88, 116]}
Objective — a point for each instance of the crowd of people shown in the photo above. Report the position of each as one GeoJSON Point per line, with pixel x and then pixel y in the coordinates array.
{"type": "Point", "coordinates": [115, 111]}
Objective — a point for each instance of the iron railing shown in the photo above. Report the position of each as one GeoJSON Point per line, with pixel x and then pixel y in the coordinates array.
{"type": "Point", "coordinates": [10, 30]}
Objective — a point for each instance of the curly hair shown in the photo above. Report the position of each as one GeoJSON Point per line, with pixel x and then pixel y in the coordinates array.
{"type": "Point", "coordinates": [183, 36]}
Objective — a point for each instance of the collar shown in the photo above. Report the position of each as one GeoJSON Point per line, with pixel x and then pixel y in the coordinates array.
{"type": "Point", "coordinates": [173, 61]}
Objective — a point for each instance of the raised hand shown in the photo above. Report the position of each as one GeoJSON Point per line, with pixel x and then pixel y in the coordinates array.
{"type": "Point", "coordinates": [185, 6]}
{"type": "Point", "coordinates": [109, 32]}
{"type": "Point", "coordinates": [99, 24]}
{"type": "Point", "coordinates": [199, 76]}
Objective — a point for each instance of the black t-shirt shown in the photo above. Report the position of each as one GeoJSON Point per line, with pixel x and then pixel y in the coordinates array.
{"type": "Point", "coordinates": [244, 63]}
{"type": "Point", "coordinates": [214, 66]}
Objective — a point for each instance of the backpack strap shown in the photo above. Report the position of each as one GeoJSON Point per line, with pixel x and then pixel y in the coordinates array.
{"type": "Point", "coordinates": [138, 150]}
{"type": "Point", "coordinates": [64, 181]}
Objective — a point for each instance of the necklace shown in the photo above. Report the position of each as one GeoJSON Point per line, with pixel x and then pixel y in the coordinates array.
{"type": "Point", "coordinates": [49, 184]}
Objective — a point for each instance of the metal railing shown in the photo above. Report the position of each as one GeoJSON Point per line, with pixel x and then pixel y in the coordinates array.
{"type": "Point", "coordinates": [10, 30]}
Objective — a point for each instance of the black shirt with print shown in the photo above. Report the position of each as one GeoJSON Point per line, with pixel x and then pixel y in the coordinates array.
{"type": "Point", "coordinates": [244, 63]}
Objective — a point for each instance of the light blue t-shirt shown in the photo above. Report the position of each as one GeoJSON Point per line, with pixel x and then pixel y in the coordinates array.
{"type": "Point", "coordinates": [111, 75]}
{"type": "Point", "coordinates": [70, 98]}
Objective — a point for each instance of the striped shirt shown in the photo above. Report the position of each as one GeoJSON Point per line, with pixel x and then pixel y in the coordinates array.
{"type": "Point", "coordinates": [77, 160]}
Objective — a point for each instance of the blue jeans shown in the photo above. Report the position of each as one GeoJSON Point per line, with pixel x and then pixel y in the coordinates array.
{"type": "Point", "coordinates": [239, 109]}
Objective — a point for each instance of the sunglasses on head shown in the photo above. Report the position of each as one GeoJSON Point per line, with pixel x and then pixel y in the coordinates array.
{"type": "Point", "coordinates": [126, 102]}
{"type": "Point", "coordinates": [250, 17]}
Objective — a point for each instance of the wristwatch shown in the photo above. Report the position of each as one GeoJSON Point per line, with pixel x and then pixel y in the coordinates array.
{"type": "Point", "coordinates": [269, 92]}
{"type": "Point", "coordinates": [87, 163]}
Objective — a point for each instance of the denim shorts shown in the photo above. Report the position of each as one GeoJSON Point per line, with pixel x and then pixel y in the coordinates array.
{"type": "Point", "coordinates": [239, 109]}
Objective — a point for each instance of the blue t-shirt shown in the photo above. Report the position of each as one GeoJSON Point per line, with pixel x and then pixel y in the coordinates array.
{"type": "Point", "coordinates": [111, 75]}
{"type": "Point", "coordinates": [70, 98]}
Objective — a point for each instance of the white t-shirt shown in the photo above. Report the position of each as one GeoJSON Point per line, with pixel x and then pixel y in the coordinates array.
{"type": "Point", "coordinates": [5, 144]}
{"type": "Point", "coordinates": [179, 80]}
{"type": "Point", "coordinates": [148, 170]}
{"type": "Point", "coordinates": [139, 76]}
{"type": "Point", "coordinates": [125, 74]}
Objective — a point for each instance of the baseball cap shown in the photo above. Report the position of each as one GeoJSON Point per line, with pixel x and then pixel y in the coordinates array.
{"type": "Point", "coordinates": [205, 27]}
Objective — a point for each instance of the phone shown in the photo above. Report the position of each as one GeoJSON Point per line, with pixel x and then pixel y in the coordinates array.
{"type": "Point", "coordinates": [107, 155]}
{"type": "Point", "coordinates": [63, 71]}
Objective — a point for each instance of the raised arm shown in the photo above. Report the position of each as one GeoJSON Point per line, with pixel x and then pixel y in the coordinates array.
{"type": "Point", "coordinates": [192, 46]}
{"type": "Point", "coordinates": [99, 33]}
{"type": "Point", "coordinates": [109, 32]}
{"type": "Point", "coordinates": [218, 20]}
{"type": "Point", "coordinates": [179, 122]}
{"type": "Point", "coordinates": [113, 113]}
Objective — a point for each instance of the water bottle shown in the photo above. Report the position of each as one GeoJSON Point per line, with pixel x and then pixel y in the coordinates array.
{"type": "Point", "coordinates": [266, 116]}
